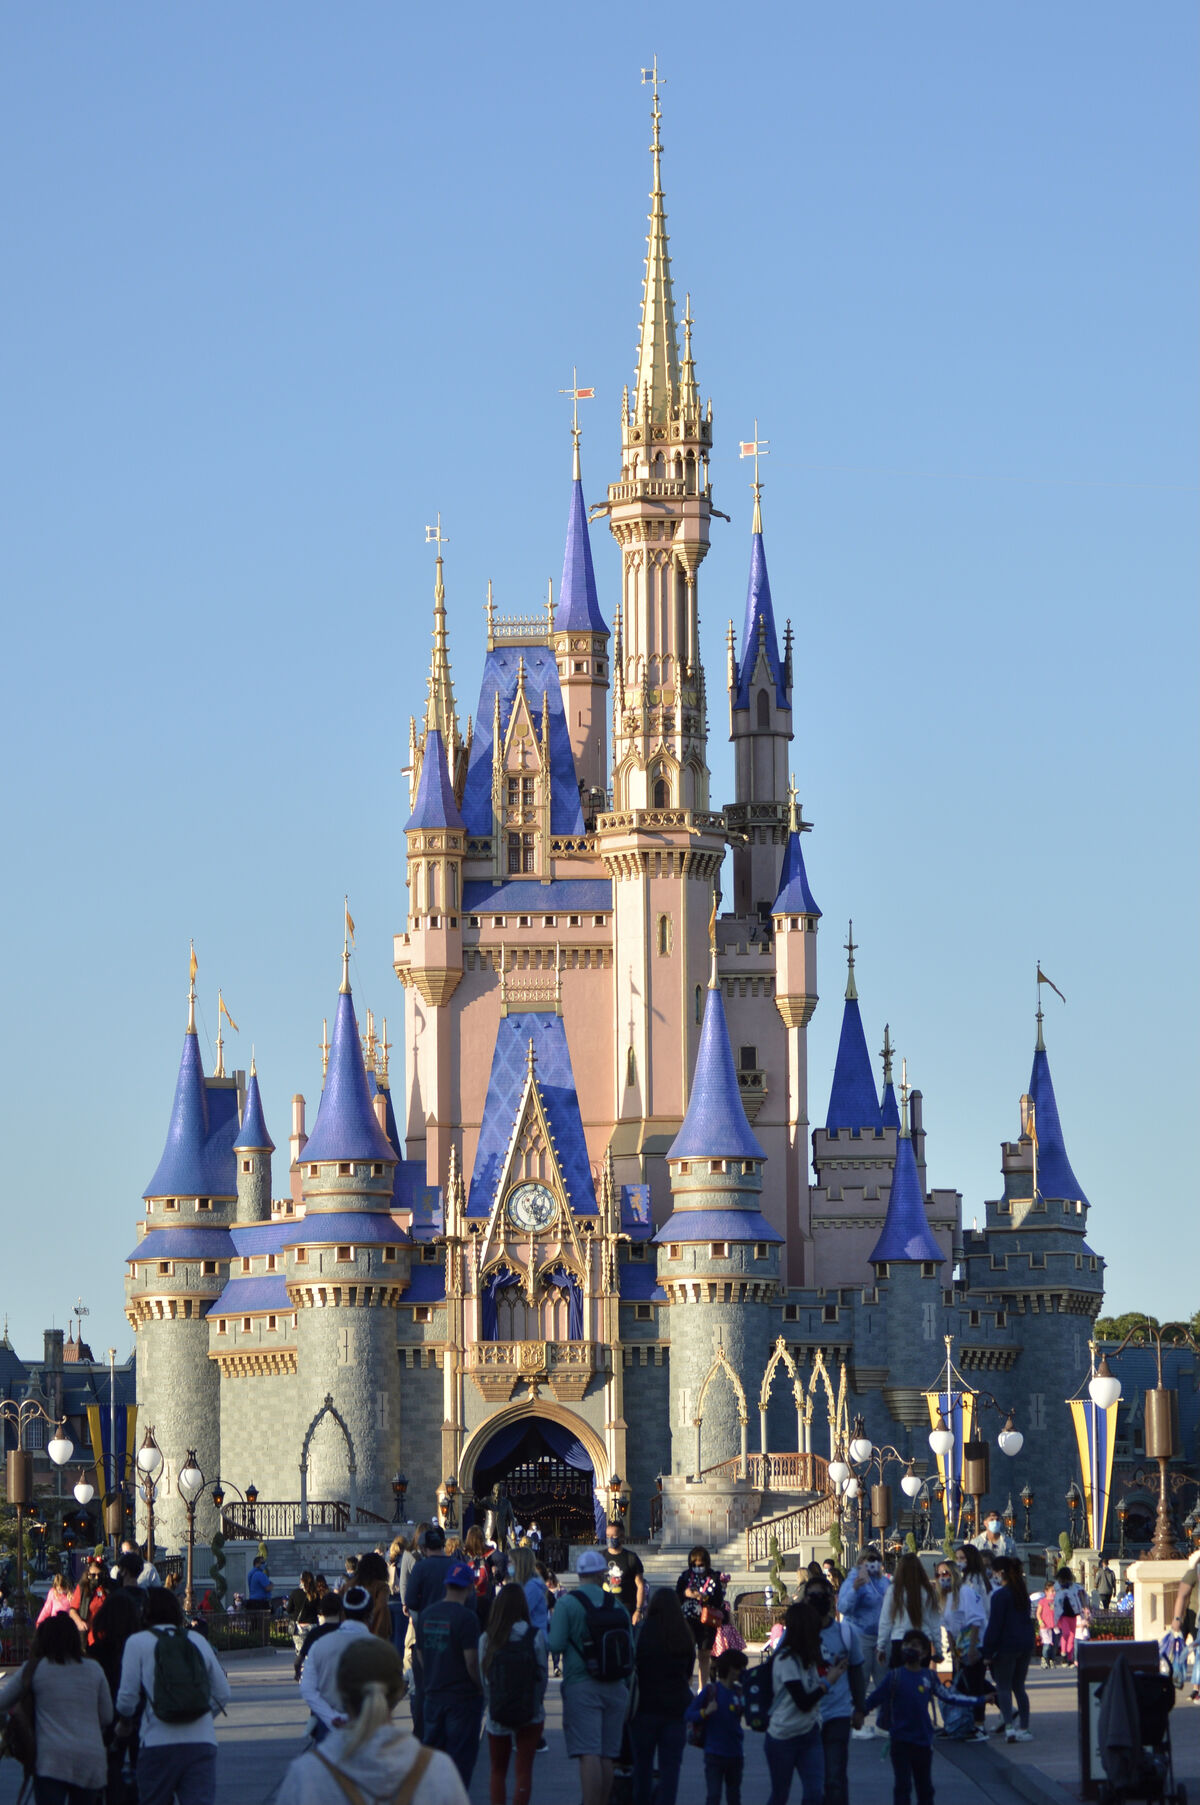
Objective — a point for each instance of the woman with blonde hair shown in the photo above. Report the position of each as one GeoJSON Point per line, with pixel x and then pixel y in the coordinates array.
{"type": "Point", "coordinates": [378, 1759]}
{"type": "Point", "coordinates": [911, 1603]}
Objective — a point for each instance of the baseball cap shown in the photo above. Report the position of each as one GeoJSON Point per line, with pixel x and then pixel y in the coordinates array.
{"type": "Point", "coordinates": [590, 1560]}
{"type": "Point", "coordinates": [460, 1574]}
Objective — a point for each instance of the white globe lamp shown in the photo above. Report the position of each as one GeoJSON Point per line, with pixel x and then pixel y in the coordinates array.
{"type": "Point", "coordinates": [1104, 1388]}
{"type": "Point", "coordinates": [910, 1485]}
{"type": "Point", "coordinates": [84, 1493]}
{"type": "Point", "coordinates": [149, 1459]}
{"type": "Point", "coordinates": [839, 1472]}
{"type": "Point", "coordinates": [190, 1483]}
{"type": "Point", "coordinates": [60, 1449]}
{"type": "Point", "coordinates": [861, 1449]}
{"type": "Point", "coordinates": [1010, 1439]}
{"type": "Point", "coordinates": [941, 1439]}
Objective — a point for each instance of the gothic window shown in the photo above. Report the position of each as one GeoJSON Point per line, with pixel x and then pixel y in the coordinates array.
{"type": "Point", "coordinates": [664, 935]}
{"type": "Point", "coordinates": [929, 1320]}
{"type": "Point", "coordinates": [431, 881]}
{"type": "Point", "coordinates": [514, 853]}
{"type": "Point", "coordinates": [764, 709]}
{"type": "Point", "coordinates": [748, 1058]}
{"type": "Point", "coordinates": [452, 887]}
{"type": "Point", "coordinates": [662, 793]}
{"type": "Point", "coordinates": [631, 1068]}
{"type": "Point", "coordinates": [699, 1004]}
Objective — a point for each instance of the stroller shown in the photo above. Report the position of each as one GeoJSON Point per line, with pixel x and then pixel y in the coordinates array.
{"type": "Point", "coordinates": [1134, 1732]}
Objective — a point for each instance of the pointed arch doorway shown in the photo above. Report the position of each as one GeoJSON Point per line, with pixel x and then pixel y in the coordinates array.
{"type": "Point", "coordinates": [553, 1468]}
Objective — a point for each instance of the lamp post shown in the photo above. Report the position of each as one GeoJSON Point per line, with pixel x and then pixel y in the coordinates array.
{"type": "Point", "coordinates": [1161, 1420]}
{"type": "Point", "coordinates": [149, 1466]}
{"type": "Point", "coordinates": [870, 1459]}
{"type": "Point", "coordinates": [251, 1496]}
{"type": "Point", "coordinates": [1074, 1503]}
{"type": "Point", "coordinates": [1027, 1506]}
{"type": "Point", "coordinates": [399, 1488]}
{"type": "Point", "coordinates": [191, 1484]}
{"type": "Point", "coordinates": [19, 1473]}
{"type": "Point", "coordinates": [975, 1478]}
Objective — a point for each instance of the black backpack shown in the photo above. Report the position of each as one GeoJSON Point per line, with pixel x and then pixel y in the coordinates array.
{"type": "Point", "coordinates": [182, 1688]}
{"type": "Point", "coordinates": [758, 1693]}
{"type": "Point", "coordinates": [512, 1677]}
{"type": "Point", "coordinates": [607, 1639]}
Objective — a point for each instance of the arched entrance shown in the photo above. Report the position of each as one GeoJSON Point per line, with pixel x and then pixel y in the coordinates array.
{"type": "Point", "coordinates": [553, 1469]}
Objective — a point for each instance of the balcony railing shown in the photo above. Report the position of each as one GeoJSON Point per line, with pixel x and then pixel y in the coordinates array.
{"type": "Point", "coordinates": [785, 1472]}
{"type": "Point", "coordinates": [272, 1519]}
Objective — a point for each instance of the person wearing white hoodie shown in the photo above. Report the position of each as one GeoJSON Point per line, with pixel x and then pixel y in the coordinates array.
{"type": "Point", "coordinates": [371, 1760]}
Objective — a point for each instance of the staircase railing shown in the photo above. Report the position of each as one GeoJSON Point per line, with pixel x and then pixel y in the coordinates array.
{"type": "Point", "coordinates": [789, 1529]}
{"type": "Point", "coordinates": [269, 1519]}
{"type": "Point", "coordinates": [785, 1472]}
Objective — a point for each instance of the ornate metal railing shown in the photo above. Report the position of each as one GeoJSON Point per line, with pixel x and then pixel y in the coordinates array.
{"type": "Point", "coordinates": [790, 1529]}
{"type": "Point", "coordinates": [649, 818]}
{"type": "Point", "coordinates": [272, 1519]}
{"type": "Point", "coordinates": [784, 1472]}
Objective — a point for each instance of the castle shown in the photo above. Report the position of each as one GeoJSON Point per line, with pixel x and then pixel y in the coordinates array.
{"type": "Point", "coordinates": [587, 1243]}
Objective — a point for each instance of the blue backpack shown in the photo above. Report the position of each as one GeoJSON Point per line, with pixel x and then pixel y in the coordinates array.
{"type": "Point", "coordinates": [758, 1693]}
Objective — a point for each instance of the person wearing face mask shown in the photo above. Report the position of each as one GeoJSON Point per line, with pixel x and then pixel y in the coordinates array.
{"type": "Point", "coordinates": [964, 1620]}
{"type": "Point", "coordinates": [860, 1600]}
{"type": "Point", "coordinates": [994, 1539]}
{"type": "Point", "coordinates": [702, 1596]}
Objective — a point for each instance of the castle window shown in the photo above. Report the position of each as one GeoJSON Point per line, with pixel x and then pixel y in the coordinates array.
{"type": "Point", "coordinates": [716, 1165]}
{"type": "Point", "coordinates": [579, 666]}
{"type": "Point", "coordinates": [222, 1327]}
{"type": "Point", "coordinates": [429, 1255]}
{"type": "Point", "coordinates": [389, 1253]}
{"type": "Point", "coordinates": [473, 921]}
{"type": "Point", "coordinates": [247, 1166]}
{"type": "Point", "coordinates": [525, 921]}
{"type": "Point", "coordinates": [638, 1250]}
{"type": "Point", "coordinates": [643, 1312]}
{"type": "Point", "coordinates": [662, 793]}
{"type": "Point", "coordinates": [295, 1319]}
{"type": "Point", "coordinates": [1037, 1259]}
{"type": "Point", "coordinates": [673, 1251]}
{"type": "Point", "coordinates": [302, 1256]}
{"type": "Point", "coordinates": [575, 921]}
{"type": "Point", "coordinates": [170, 1203]}
{"type": "Point", "coordinates": [289, 1208]}
{"type": "Point", "coordinates": [829, 1313]}
{"type": "Point", "coordinates": [599, 920]}
{"type": "Point", "coordinates": [882, 1270]}
{"type": "Point", "coordinates": [928, 1269]}
{"type": "Point", "coordinates": [271, 1262]}
{"type": "Point", "coordinates": [422, 1313]}
{"type": "Point", "coordinates": [514, 792]}
{"type": "Point", "coordinates": [748, 1058]}
{"type": "Point", "coordinates": [345, 1170]}
{"type": "Point", "coordinates": [718, 1250]}
{"type": "Point", "coordinates": [760, 1250]}
{"type": "Point", "coordinates": [664, 936]}
{"type": "Point", "coordinates": [763, 707]}
{"type": "Point", "coordinates": [749, 1167]}
{"type": "Point", "coordinates": [209, 1269]}
{"type": "Point", "coordinates": [1092, 1264]}
{"type": "Point", "coordinates": [791, 1312]}
{"type": "Point", "coordinates": [699, 1004]}
{"type": "Point", "coordinates": [164, 1266]}
{"type": "Point", "coordinates": [377, 1169]}
{"type": "Point", "coordinates": [685, 1166]}
{"type": "Point", "coordinates": [245, 1325]}
{"type": "Point", "coordinates": [344, 1254]}
{"type": "Point", "coordinates": [272, 1323]}
{"type": "Point", "coordinates": [514, 854]}
{"type": "Point", "coordinates": [549, 921]}
{"type": "Point", "coordinates": [1001, 1320]}
{"type": "Point", "coordinates": [205, 1203]}
{"type": "Point", "coordinates": [313, 1171]}
{"type": "Point", "coordinates": [499, 921]}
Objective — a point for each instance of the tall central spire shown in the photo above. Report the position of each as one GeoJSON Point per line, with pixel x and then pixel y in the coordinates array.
{"type": "Point", "coordinates": [439, 709]}
{"type": "Point", "coordinates": [658, 347]}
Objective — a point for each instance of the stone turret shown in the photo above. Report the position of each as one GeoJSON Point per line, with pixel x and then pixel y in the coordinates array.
{"type": "Point", "coordinates": [581, 648]}
{"type": "Point", "coordinates": [760, 726]}
{"type": "Point", "coordinates": [253, 1148]}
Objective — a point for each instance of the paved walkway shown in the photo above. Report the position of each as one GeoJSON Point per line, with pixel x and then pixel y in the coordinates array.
{"type": "Point", "coordinates": [265, 1729]}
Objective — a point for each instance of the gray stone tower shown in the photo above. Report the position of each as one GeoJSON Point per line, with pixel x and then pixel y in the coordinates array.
{"type": "Point", "coordinates": [718, 1257]}
{"type": "Point", "coordinates": [347, 1263]}
{"type": "Point", "coordinates": [253, 1148]}
{"type": "Point", "coordinates": [180, 1265]}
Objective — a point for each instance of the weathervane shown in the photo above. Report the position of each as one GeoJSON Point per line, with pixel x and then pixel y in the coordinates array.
{"type": "Point", "coordinates": [755, 448]}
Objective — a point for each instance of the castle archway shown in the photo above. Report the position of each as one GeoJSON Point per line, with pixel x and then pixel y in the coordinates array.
{"type": "Point", "coordinates": [551, 1466]}
{"type": "Point", "coordinates": [328, 1409]}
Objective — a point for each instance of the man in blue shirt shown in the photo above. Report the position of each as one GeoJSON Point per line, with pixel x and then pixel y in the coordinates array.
{"type": "Point", "coordinates": [426, 1586]}
{"type": "Point", "coordinates": [861, 1600]}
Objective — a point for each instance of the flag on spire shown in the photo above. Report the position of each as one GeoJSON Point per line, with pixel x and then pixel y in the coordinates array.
{"type": "Point", "coordinates": [223, 1010]}
{"type": "Point", "coordinates": [1043, 979]}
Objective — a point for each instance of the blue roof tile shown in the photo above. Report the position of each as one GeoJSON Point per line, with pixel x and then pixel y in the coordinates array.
{"type": "Point", "coordinates": [183, 1171]}
{"type": "Point", "coordinates": [906, 1234]}
{"type": "Point", "coordinates": [427, 1284]}
{"type": "Point", "coordinates": [889, 1110]}
{"type": "Point", "coordinates": [323, 1228]}
{"type": "Point", "coordinates": [260, 1237]}
{"type": "Point", "coordinates": [506, 1087]}
{"type": "Point", "coordinates": [578, 609]}
{"type": "Point", "coordinates": [853, 1102]}
{"type": "Point", "coordinates": [183, 1244]}
{"type": "Point", "coordinates": [243, 1296]}
{"type": "Point", "coordinates": [563, 896]}
{"type": "Point", "coordinates": [434, 804]}
{"type": "Point", "coordinates": [717, 1225]}
{"type": "Point", "coordinates": [715, 1126]}
{"type": "Point", "coordinates": [346, 1127]}
{"type": "Point", "coordinates": [759, 613]}
{"type": "Point", "coordinates": [795, 897]}
{"type": "Point", "coordinates": [541, 682]}
{"type": "Point", "coordinates": [639, 1284]}
{"type": "Point", "coordinates": [253, 1134]}
{"type": "Point", "coordinates": [1054, 1175]}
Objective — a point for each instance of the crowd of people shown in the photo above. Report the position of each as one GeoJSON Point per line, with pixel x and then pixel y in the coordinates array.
{"type": "Point", "coordinates": [473, 1632]}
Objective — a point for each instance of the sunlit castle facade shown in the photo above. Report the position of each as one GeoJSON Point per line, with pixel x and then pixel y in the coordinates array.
{"type": "Point", "coordinates": [598, 1212]}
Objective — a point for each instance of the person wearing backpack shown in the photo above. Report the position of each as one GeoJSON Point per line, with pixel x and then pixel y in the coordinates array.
{"type": "Point", "coordinates": [447, 1659]}
{"type": "Point", "coordinates": [714, 1717]}
{"type": "Point", "coordinates": [800, 1681]}
{"type": "Point", "coordinates": [512, 1669]}
{"type": "Point", "coordinates": [842, 1706]}
{"type": "Point", "coordinates": [593, 1633]}
{"type": "Point", "coordinates": [72, 1708]}
{"type": "Point", "coordinates": [173, 1673]}
{"type": "Point", "coordinates": [665, 1654]}
{"type": "Point", "coordinates": [1069, 1606]}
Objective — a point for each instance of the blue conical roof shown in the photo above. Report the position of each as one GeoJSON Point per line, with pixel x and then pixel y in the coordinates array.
{"type": "Point", "coordinates": [183, 1169]}
{"type": "Point", "coordinates": [889, 1111]}
{"type": "Point", "coordinates": [346, 1127]}
{"type": "Point", "coordinates": [759, 612]}
{"type": "Point", "coordinates": [853, 1102]}
{"type": "Point", "coordinates": [1054, 1175]}
{"type": "Point", "coordinates": [253, 1134]}
{"type": "Point", "coordinates": [906, 1232]}
{"type": "Point", "coordinates": [578, 609]}
{"type": "Point", "coordinates": [795, 897]}
{"type": "Point", "coordinates": [434, 805]}
{"type": "Point", "coordinates": [715, 1126]}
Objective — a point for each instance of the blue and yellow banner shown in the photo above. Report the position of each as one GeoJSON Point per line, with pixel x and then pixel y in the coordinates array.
{"type": "Point", "coordinates": [957, 1409]}
{"type": "Point", "coordinates": [1096, 1434]}
{"type": "Point", "coordinates": [99, 1420]}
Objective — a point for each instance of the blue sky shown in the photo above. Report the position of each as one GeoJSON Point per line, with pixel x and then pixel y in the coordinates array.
{"type": "Point", "coordinates": [282, 281]}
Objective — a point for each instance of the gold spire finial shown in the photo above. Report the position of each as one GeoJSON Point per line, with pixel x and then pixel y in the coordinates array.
{"type": "Point", "coordinates": [324, 1046]}
{"type": "Point", "coordinates": [253, 1064]}
{"type": "Point", "coordinates": [904, 1095]}
{"type": "Point", "coordinates": [851, 987]}
{"type": "Point", "coordinates": [755, 448]}
{"type": "Point", "coordinates": [1043, 979]}
{"type": "Point", "coordinates": [714, 981]}
{"type": "Point", "coordinates": [385, 1047]}
{"type": "Point", "coordinates": [347, 943]}
{"type": "Point", "coordinates": [192, 968]}
{"type": "Point", "coordinates": [440, 712]}
{"type": "Point", "coordinates": [531, 1059]}
{"type": "Point", "coordinates": [885, 1053]}
{"type": "Point", "coordinates": [577, 395]}
{"type": "Point", "coordinates": [658, 351]}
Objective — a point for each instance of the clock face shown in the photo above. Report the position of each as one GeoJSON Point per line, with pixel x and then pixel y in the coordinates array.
{"type": "Point", "coordinates": [531, 1207]}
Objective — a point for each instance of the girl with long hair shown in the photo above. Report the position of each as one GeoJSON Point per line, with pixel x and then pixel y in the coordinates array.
{"type": "Point", "coordinates": [801, 1680]}
{"type": "Point", "coordinates": [526, 1575]}
{"type": "Point", "coordinates": [665, 1656]}
{"type": "Point", "coordinates": [371, 1754]}
{"type": "Point", "coordinates": [475, 1551]}
{"type": "Point", "coordinates": [911, 1603]}
{"type": "Point", "coordinates": [1007, 1644]}
{"type": "Point", "coordinates": [72, 1709]}
{"type": "Point", "coordinates": [702, 1596]}
{"type": "Point", "coordinates": [964, 1619]}
{"type": "Point", "coordinates": [58, 1598]}
{"type": "Point", "coordinates": [509, 1623]}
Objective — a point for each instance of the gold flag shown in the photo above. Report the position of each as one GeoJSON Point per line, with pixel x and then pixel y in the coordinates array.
{"type": "Point", "coordinates": [712, 924]}
{"type": "Point", "coordinates": [1031, 1123]}
{"type": "Point", "coordinates": [349, 924]}
{"type": "Point", "coordinates": [223, 1010]}
{"type": "Point", "coordinates": [192, 963]}
{"type": "Point", "coordinates": [1043, 979]}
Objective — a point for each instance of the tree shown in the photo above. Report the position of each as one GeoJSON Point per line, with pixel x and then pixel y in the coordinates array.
{"type": "Point", "coordinates": [1115, 1328]}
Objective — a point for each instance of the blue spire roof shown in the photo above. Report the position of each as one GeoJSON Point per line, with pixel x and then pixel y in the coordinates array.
{"type": "Point", "coordinates": [434, 805]}
{"type": "Point", "coordinates": [795, 897]}
{"type": "Point", "coordinates": [346, 1127]}
{"type": "Point", "coordinates": [578, 608]}
{"type": "Point", "coordinates": [759, 612]}
{"type": "Point", "coordinates": [500, 671]}
{"type": "Point", "coordinates": [853, 1102]}
{"type": "Point", "coordinates": [906, 1232]}
{"type": "Point", "coordinates": [1054, 1175]}
{"type": "Point", "coordinates": [253, 1132]}
{"type": "Point", "coordinates": [889, 1110]}
{"type": "Point", "coordinates": [183, 1169]}
{"type": "Point", "coordinates": [715, 1126]}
